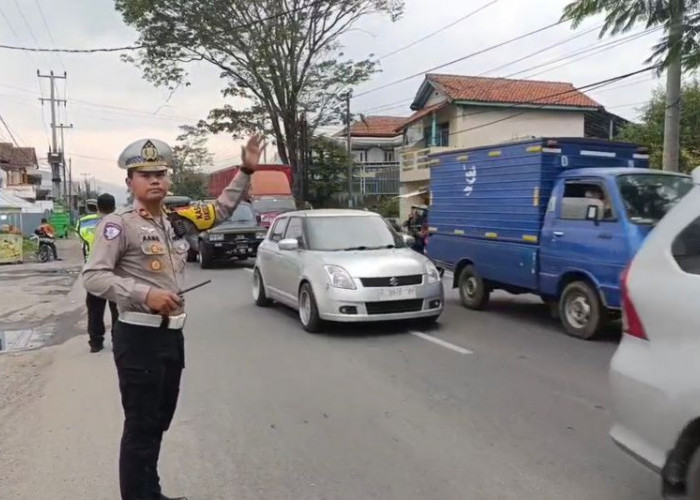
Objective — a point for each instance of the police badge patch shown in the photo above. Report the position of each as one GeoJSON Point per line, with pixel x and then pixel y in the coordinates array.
{"type": "Point", "coordinates": [111, 231]}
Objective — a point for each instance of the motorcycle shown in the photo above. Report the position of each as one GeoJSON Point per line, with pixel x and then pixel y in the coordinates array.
{"type": "Point", "coordinates": [43, 251]}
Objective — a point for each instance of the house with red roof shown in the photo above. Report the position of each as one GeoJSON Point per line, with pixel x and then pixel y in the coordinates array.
{"type": "Point", "coordinates": [375, 142]}
{"type": "Point", "coordinates": [453, 111]}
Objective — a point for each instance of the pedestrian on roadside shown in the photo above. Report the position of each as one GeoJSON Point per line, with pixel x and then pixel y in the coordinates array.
{"type": "Point", "coordinates": [138, 261]}
{"type": "Point", "coordinates": [96, 306]}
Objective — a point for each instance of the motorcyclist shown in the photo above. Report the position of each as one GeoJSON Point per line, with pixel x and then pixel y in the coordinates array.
{"type": "Point", "coordinates": [48, 235]}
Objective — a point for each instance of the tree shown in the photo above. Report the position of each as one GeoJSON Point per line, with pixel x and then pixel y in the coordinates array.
{"type": "Point", "coordinates": [649, 132]}
{"type": "Point", "coordinates": [677, 50]}
{"type": "Point", "coordinates": [190, 154]}
{"type": "Point", "coordinates": [282, 57]}
{"type": "Point", "coordinates": [328, 170]}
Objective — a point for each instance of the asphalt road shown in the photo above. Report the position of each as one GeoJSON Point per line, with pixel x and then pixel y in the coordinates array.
{"type": "Point", "coordinates": [506, 407]}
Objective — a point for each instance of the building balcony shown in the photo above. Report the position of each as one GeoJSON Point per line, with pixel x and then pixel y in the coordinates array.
{"type": "Point", "coordinates": [24, 191]}
{"type": "Point", "coordinates": [415, 163]}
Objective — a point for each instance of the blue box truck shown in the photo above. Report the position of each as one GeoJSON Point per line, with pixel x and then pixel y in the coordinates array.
{"type": "Point", "coordinates": [556, 217]}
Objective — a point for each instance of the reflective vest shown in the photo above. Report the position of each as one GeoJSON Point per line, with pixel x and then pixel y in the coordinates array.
{"type": "Point", "coordinates": [86, 230]}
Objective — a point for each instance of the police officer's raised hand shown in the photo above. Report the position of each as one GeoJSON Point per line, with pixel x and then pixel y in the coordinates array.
{"type": "Point", "coordinates": [251, 152]}
{"type": "Point", "coordinates": [163, 301]}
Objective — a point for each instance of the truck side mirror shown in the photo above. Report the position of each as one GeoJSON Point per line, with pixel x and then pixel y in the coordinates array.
{"type": "Point", "coordinates": [593, 213]}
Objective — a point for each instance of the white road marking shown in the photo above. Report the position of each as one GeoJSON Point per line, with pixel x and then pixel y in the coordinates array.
{"type": "Point", "coordinates": [442, 343]}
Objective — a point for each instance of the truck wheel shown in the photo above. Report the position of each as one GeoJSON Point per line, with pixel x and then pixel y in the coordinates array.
{"type": "Point", "coordinates": [472, 290]}
{"type": "Point", "coordinates": [205, 258]}
{"type": "Point", "coordinates": [581, 311]}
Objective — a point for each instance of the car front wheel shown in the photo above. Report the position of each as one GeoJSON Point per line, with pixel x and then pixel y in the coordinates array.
{"type": "Point", "coordinates": [205, 257]}
{"type": "Point", "coordinates": [308, 311]}
{"type": "Point", "coordinates": [259, 295]}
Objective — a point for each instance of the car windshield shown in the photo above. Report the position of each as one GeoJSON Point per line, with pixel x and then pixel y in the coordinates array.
{"type": "Point", "coordinates": [263, 205]}
{"type": "Point", "coordinates": [243, 213]}
{"type": "Point", "coordinates": [648, 197]}
{"type": "Point", "coordinates": [350, 233]}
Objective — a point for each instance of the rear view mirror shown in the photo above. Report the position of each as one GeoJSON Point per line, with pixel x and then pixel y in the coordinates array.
{"type": "Point", "coordinates": [592, 213]}
{"type": "Point", "coordinates": [289, 244]}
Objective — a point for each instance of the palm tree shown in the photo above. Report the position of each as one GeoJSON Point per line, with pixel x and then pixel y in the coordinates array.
{"type": "Point", "coordinates": [678, 49]}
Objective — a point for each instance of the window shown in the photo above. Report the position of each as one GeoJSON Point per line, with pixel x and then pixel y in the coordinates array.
{"type": "Point", "coordinates": [579, 195]}
{"type": "Point", "coordinates": [388, 156]}
{"type": "Point", "coordinates": [686, 248]}
{"type": "Point", "coordinates": [336, 233]}
{"type": "Point", "coordinates": [295, 230]}
{"type": "Point", "coordinates": [442, 138]}
{"type": "Point", "coordinates": [278, 229]}
{"type": "Point", "coordinates": [647, 197]}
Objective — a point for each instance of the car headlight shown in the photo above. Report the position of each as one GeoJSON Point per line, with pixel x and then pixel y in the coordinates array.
{"type": "Point", "coordinates": [216, 237]}
{"type": "Point", "coordinates": [340, 278]}
{"type": "Point", "coordinates": [432, 272]}
{"type": "Point", "coordinates": [261, 235]}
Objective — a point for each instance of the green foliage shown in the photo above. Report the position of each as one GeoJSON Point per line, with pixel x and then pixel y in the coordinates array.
{"type": "Point", "coordinates": [327, 172]}
{"type": "Point", "coordinates": [622, 15]}
{"type": "Point", "coordinates": [190, 155]}
{"type": "Point", "coordinates": [650, 131]}
{"type": "Point", "coordinates": [389, 207]}
{"type": "Point", "coordinates": [280, 58]}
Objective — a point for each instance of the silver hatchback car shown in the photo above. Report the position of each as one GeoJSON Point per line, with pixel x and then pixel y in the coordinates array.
{"type": "Point", "coordinates": [344, 266]}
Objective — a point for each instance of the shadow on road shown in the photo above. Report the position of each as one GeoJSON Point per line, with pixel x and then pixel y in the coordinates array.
{"type": "Point", "coordinates": [536, 314]}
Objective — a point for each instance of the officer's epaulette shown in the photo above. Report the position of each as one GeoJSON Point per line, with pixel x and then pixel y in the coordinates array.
{"type": "Point", "coordinates": [124, 210]}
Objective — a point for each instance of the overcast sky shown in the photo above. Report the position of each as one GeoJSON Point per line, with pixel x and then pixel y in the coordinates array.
{"type": "Point", "coordinates": [110, 105]}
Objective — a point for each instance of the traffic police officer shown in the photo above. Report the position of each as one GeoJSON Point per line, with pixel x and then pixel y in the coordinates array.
{"type": "Point", "coordinates": [96, 305]}
{"type": "Point", "coordinates": [138, 261]}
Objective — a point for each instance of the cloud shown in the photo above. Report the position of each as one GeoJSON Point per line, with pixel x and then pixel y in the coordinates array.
{"type": "Point", "coordinates": [103, 92]}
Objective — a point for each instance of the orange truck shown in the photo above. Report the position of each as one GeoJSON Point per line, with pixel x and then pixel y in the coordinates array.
{"type": "Point", "coordinates": [270, 191]}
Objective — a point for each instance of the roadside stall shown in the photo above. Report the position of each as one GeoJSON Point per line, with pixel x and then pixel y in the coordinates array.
{"type": "Point", "coordinates": [10, 232]}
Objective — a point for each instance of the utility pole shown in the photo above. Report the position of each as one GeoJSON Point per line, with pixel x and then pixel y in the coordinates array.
{"type": "Point", "coordinates": [672, 120]}
{"type": "Point", "coordinates": [349, 145]}
{"type": "Point", "coordinates": [70, 187]}
{"type": "Point", "coordinates": [63, 161]}
{"type": "Point", "coordinates": [55, 157]}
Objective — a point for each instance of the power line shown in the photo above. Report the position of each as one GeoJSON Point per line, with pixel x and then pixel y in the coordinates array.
{"type": "Point", "coordinates": [9, 131]}
{"type": "Point", "coordinates": [26, 23]}
{"type": "Point", "coordinates": [592, 49]}
{"type": "Point", "coordinates": [461, 19]}
{"type": "Point", "coordinates": [459, 59]}
{"type": "Point", "coordinates": [590, 86]}
{"type": "Point", "coordinates": [140, 46]}
{"type": "Point", "coordinates": [48, 30]}
{"type": "Point", "coordinates": [9, 24]}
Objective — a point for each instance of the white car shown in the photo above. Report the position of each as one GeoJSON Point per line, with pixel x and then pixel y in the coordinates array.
{"type": "Point", "coordinates": [655, 372]}
{"type": "Point", "coordinates": [344, 266]}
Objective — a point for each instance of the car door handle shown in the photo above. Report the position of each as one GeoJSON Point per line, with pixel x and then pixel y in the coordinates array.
{"type": "Point", "coordinates": [605, 236]}
{"type": "Point", "coordinates": [558, 233]}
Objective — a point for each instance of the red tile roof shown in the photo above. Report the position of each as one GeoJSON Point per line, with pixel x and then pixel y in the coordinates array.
{"type": "Point", "coordinates": [377, 126]}
{"type": "Point", "coordinates": [421, 113]}
{"type": "Point", "coordinates": [505, 91]}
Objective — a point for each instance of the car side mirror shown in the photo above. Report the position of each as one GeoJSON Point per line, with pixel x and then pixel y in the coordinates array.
{"type": "Point", "coordinates": [593, 213]}
{"type": "Point", "coordinates": [289, 244]}
{"type": "Point", "coordinates": [408, 239]}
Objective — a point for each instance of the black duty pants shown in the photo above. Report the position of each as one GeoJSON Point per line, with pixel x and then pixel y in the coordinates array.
{"type": "Point", "coordinates": [96, 318]}
{"type": "Point", "coordinates": [149, 364]}
{"type": "Point", "coordinates": [52, 246]}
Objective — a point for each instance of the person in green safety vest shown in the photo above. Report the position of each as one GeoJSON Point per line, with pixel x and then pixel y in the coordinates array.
{"type": "Point", "coordinates": [96, 305]}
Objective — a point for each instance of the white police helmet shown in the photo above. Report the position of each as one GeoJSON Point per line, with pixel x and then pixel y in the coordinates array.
{"type": "Point", "coordinates": [146, 155]}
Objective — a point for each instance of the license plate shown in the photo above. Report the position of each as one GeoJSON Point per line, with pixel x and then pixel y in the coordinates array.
{"type": "Point", "coordinates": [403, 292]}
